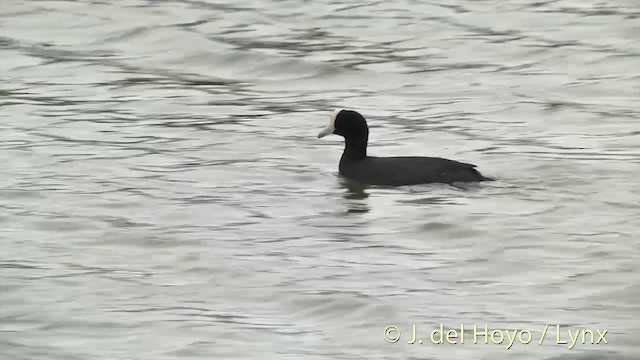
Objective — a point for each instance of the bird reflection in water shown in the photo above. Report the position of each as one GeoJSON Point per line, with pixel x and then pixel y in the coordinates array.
{"type": "Point", "coordinates": [355, 194]}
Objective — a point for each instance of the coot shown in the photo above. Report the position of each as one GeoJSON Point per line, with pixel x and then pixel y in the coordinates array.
{"type": "Point", "coordinates": [356, 165]}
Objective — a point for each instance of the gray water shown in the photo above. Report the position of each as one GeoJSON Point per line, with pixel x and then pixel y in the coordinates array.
{"type": "Point", "coordinates": [163, 194]}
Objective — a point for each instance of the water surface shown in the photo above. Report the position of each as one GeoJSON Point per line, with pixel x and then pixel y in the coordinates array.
{"type": "Point", "coordinates": [164, 195]}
